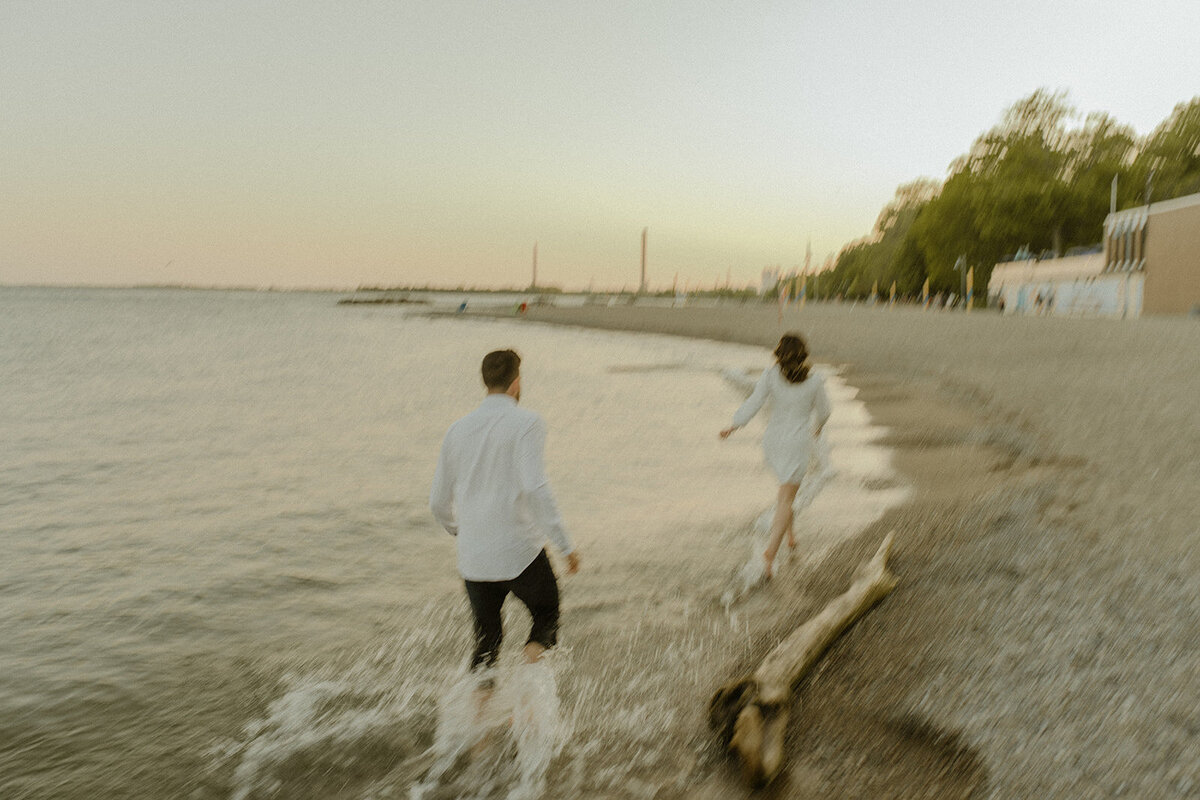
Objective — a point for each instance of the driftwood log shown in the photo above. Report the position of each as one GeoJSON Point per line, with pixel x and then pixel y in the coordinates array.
{"type": "Point", "coordinates": [751, 714]}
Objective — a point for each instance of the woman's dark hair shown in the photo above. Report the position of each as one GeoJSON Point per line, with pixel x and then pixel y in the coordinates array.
{"type": "Point", "coordinates": [792, 353]}
{"type": "Point", "coordinates": [500, 368]}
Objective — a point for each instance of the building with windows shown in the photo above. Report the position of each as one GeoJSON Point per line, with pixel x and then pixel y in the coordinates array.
{"type": "Point", "coordinates": [1150, 264]}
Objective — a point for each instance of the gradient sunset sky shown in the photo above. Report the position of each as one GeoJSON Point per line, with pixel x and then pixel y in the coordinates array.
{"type": "Point", "coordinates": [339, 144]}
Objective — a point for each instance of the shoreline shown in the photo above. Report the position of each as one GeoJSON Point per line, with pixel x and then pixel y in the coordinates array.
{"type": "Point", "coordinates": [1042, 639]}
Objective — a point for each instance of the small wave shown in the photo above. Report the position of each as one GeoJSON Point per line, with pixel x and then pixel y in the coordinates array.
{"type": "Point", "coordinates": [308, 582]}
{"type": "Point", "coordinates": [670, 367]}
{"type": "Point", "coordinates": [741, 379]}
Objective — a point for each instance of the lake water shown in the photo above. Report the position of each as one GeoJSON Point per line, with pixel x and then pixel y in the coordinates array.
{"type": "Point", "coordinates": [219, 577]}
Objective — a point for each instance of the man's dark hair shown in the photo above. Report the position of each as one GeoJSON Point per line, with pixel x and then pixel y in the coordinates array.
{"type": "Point", "coordinates": [500, 369]}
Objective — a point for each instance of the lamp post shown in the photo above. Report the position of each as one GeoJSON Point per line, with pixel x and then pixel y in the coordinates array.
{"type": "Point", "coordinates": [960, 266]}
{"type": "Point", "coordinates": [642, 285]}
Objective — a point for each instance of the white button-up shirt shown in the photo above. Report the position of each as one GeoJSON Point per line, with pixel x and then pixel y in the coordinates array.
{"type": "Point", "coordinates": [491, 492]}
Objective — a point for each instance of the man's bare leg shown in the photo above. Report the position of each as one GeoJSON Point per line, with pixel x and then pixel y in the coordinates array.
{"type": "Point", "coordinates": [533, 652]}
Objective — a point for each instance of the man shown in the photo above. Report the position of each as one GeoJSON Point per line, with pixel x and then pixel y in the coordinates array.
{"type": "Point", "coordinates": [491, 493]}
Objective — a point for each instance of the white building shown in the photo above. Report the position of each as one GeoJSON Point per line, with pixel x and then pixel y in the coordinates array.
{"type": "Point", "coordinates": [1074, 285]}
{"type": "Point", "coordinates": [1150, 264]}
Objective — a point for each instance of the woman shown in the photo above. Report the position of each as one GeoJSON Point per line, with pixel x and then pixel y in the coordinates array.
{"type": "Point", "coordinates": [800, 410]}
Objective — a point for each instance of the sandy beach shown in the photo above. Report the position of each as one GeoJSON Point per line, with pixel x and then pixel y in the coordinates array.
{"type": "Point", "coordinates": [1043, 638]}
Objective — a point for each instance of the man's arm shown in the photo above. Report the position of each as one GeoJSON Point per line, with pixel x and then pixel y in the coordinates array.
{"type": "Point", "coordinates": [531, 471]}
{"type": "Point", "coordinates": [441, 496]}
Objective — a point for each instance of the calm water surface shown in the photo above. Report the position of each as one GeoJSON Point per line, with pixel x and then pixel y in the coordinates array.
{"type": "Point", "coordinates": [219, 577]}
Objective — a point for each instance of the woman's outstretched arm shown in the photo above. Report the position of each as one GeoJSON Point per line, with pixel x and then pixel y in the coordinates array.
{"type": "Point", "coordinates": [754, 403]}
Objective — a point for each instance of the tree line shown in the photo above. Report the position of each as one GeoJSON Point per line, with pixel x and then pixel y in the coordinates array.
{"type": "Point", "coordinates": [1034, 183]}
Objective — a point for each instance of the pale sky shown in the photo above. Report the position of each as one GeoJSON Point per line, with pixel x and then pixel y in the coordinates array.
{"type": "Point", "coordinates": [344, 143]}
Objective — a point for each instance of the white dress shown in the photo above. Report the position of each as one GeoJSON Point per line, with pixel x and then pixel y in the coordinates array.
{"type": "Point", "coordinates": [797, 410]}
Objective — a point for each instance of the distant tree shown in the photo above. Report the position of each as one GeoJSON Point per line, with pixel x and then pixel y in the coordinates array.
{"type": "Point", "coordinates": [1031, 181]}
{"type": "Point", "coordinates": [1096, 153]}
{"type": "Point", "coordinates": [875, 260]}
{"type": "Point", "coordinates": [1170, 157]}
{"type": "Point", "coordinates": [946, 230]}
{"type": "Point", "coordinates": [910, 269]}
{"type": "Point", "coordinates": [849, 269]}
{"type": "Point", "coordinates": [1017, 171]}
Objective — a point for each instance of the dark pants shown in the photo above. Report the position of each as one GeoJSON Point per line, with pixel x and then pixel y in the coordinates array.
{"type": "Point", "coordinates": [535, 587]}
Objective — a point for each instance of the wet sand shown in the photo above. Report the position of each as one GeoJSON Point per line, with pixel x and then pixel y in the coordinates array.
{"type": "Point", "coordinates": [1043, 639]}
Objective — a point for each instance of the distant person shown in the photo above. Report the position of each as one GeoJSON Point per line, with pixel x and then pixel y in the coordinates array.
{"type": "Point", "coordinates": [491, 493]}
{"type": "Point", "coordinates": [800, 411]}
{"type": "Point", "coordinates": [462, 306]}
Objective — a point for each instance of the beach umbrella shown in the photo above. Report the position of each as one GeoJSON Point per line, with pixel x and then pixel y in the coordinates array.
{"type": "Point", "coordinates": [970, 286]}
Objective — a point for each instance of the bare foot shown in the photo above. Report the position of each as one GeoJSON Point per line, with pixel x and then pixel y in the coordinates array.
{"type": "Point", "coordinates": [768, 570]}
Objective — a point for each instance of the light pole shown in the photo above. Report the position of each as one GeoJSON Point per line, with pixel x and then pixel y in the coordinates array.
{"type": "Point", "coordinates": [960, 266]}
{"type": "Point", "coordinates": [642, 285]}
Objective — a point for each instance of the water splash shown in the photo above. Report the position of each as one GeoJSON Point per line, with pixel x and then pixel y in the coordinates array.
{"type": "Point", "coordinates": [496, 743]}
{"type": "Point", "coordinates": [539, 729]}
{"type": "Point", "coordinates": [370, 718]}
{"type": "Point", "coordinates": [319, 720]}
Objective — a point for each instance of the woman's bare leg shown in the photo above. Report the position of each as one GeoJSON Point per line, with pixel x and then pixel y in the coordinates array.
{"type": "Point", "coordinates": [781, 523]}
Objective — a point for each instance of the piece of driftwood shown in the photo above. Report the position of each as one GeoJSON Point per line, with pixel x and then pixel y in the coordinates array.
{"type": "Point", "coordinates": [751, 714]}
